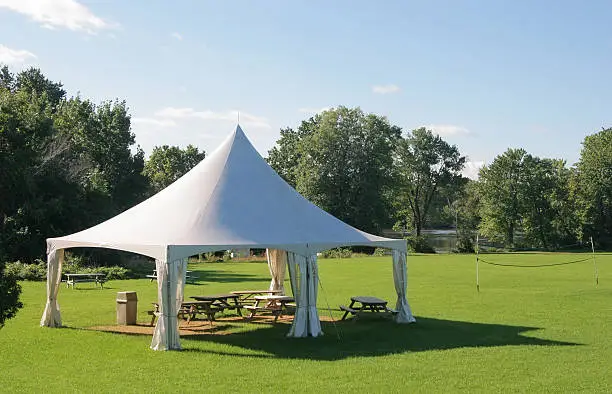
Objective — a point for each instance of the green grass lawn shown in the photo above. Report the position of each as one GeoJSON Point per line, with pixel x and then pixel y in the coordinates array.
{"type": "Point", "coordinates": [528, 329]}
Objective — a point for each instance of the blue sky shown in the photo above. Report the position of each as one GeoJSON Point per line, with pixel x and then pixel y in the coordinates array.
{"type": "Point", "coordinates": [485, 75]}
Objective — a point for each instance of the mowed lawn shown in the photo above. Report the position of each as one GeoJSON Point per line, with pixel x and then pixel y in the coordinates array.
{"type": "Point", "coordinates": [528, 329]}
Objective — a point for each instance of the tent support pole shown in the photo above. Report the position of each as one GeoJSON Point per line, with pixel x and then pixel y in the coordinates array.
{"type": "Point", "coordinates": [594, 264]}
{"type": "Point", "coordinates": [477, 265]}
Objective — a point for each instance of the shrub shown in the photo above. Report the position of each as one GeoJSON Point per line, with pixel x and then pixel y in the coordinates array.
{"type": "Point", "coordinates": [138, 266]}
{"type": "Point", "coordinates": [419, 244]}
{"type": "Point", "coordinates": [114, 272]}
{"type": "Point", "coordinates": [21, 271]}
{"type": "Point", "coordinates": [9, 295]}
{"type": "Point", "coordinates": [337, 253]}
{"type": "Point", "coordinates": [465, 243]}
{"type": "Point", "coordinates": [380, 252]}
{"type": "Point", "coordinates": [73, 263]}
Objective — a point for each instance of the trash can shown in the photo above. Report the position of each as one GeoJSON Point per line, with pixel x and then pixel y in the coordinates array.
{"type": "Point", "coordinates": [127, 308]}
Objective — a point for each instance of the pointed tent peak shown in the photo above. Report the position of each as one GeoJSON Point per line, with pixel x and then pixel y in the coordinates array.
{"type": "Point", "coordinates": [238, 133]}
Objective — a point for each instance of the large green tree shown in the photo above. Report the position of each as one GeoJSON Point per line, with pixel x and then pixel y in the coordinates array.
{"type": "Point", "coordinates": [65, 164]}
{"type": "Point", "coordinates": [166, 164]}
{"type": "Point", "coordinates": [467, 210]}
{"type": "Point", "coordinates": [594, 187]}
{"type": "Point", "coordinates": [426, 165]}
{"type": "Point", "coordinates": [285, 155]}
{"type": "Point", "coordinates": [545, 204]}
{"type": "Point", "coordinates": [342, 160]}
{"type": "Point", "coordinates": [521, 192]}
{"type": "Point", "coordinates": [503, 188]}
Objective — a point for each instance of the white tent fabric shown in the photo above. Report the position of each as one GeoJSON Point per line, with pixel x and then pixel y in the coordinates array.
{"type": "Point", "coordinates": [312, 272]}
{"type": "Point", "coordinates": [306, 320]}
{"type": "Point", "coordinates": [231, 200]}
{"type": "Point", "coordinates": [400, 278]}
{"type": "Point", "coordinates": [293, 274]}
{"type": "Point", "coordinates": [170, 288]}
{"type": "Point", "coordinates": [51, 316]}
{"type": "Point", "coordinates": [277, 264]}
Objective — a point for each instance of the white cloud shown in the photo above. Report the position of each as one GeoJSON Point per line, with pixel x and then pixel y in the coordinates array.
{"type": "Point", "coordinates": [14, 56]}
{"type": "Point", "coordinates": [309, 110]}
{"type": "Point", "coordinates": [154, 122]}
{"type": "Point", "coordinates": [471, 169]}
{"type": "Point", "coordinates": [177, 36]}
{"type": "Point", "coordinates": [171, 112]}
{"type": "Point", "coordinates": [447, 129]}
{"type": "Point", "coordinates": [231, 116]}
{"type": "Point", "coordinates": [52, 14]}
{"type": "Point", "coordinates": [385, 89]}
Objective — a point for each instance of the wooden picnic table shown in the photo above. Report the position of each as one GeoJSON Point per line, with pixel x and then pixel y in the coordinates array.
{"type": "Point", "coordinates": [367, 304]}
{"type": "Point", "coordinates": [190, 309]}
{"type": "Point", "coordinates": [97, 278]}
{"type": "Point", "coordinates": [247, 296]}
{"type": "Point", "coordinates": [222, 301]}
{"type": "Point", "coordinates": [188, 276]}
{"type": "Point", "coordinates": [275, 304]}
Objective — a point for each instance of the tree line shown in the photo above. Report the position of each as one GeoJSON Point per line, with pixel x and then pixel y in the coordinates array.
{"type": "Point", "coordinates": [365, 171]}
{"type": "Point", "coordinates": [67, 163]}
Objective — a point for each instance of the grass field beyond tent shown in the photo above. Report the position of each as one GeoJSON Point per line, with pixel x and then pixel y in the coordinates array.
{"type": "Point", "coordinates": [529, 329]}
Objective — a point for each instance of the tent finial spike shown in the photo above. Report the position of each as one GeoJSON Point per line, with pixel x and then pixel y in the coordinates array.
{"type": "Point", "coordinates": [238, 118]}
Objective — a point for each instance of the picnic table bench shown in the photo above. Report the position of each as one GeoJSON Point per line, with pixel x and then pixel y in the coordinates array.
{"type": "Point", "coordinates": [368, 304]}
{"type": "Point", "coordinates": [246, 297]}
{"type": "Point", "coordinates": [189, 310]}
{"type": "Point", "coordinates": [97, 278]}
{"type": "Point", "coordinates": [222, 301]}
{"type": "Point", "coordinates": [275, 304]}
{"type": "Point", "coordinates": [188, 276]}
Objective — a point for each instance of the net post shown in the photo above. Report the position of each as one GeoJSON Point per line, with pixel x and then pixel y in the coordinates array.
{"type": "Point", "coordinates": [477, 265]}
{"type": "Point", "coordinates": [594, 264]}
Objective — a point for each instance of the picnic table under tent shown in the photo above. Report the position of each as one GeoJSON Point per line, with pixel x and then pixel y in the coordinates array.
{"type": "Point", "coordinates": [231, 200]}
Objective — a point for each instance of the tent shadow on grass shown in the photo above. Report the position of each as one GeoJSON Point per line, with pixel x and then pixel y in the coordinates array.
{"type": "Point", "coordinates": [373, 338]}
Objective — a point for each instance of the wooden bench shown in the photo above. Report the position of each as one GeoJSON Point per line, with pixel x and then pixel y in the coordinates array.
{"type": "Point", "coordinates": [189, 310]}
{"type": "Point", "coordinates": [347, 310]}
{"type": "Point", "coordinates": [274, 304]}
{"type": "Point", "coordinates": [188, 278]}
{"type": "Point", "coordinates": [276, 312]}
{"type": "Point", "coordinates": [352, 311]}
{"type": "Point", "coordinates": [97, 278]}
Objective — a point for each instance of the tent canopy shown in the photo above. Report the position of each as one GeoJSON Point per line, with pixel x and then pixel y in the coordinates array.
{"type": "Point", "coordinates": [232, 199]}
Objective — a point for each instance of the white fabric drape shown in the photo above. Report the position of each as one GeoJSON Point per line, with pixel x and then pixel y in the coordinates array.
{"type": "Point", "coordinates": [306, 320]}
{"type": "Point", "coordinates": [277, 261]}
{"type": "Point", "coordinates": [293, 274]}
{"type": "Point", "coordinates": [400, 278]}
{"type": "Point", "coordinates": [51, 316]}
{"type": "Point", "coordinates": [170, 290]}
{"type": "Point", "coordinates": [314, 324]}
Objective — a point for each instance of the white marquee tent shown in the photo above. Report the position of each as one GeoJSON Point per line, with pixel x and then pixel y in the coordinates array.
{"type": "Point", "coordinates": [231, 200]}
